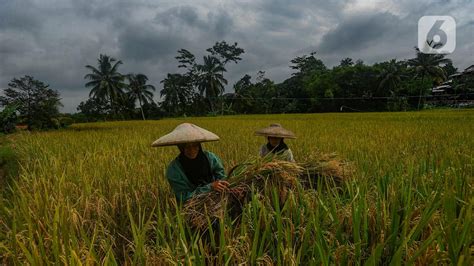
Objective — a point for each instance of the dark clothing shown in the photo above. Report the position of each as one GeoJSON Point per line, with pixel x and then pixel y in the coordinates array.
{"type": "Point", "coordinates": [278, 149]}
{"type": "Point", "coordinates": [197, 170]}
{"type": "Point", "coordinates": [181, 184]}
{"type": "Point", "coordinates": [281, 151]}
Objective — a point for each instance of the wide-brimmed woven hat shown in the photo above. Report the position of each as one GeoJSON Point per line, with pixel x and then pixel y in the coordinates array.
{"type": "Point", "coordinates": [185, 133]}
{"type": "Point", "coordinates": [275, 130]}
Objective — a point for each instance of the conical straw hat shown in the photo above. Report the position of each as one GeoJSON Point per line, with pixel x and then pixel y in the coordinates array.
{"type": "Point", "coordinates": [275, 130]}
{"type": "Point", "coordinates": [185, 133]}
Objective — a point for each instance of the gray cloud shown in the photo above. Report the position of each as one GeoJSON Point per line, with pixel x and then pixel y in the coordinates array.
{"type": "Point", "coordinates": [139, 42]}
{"type": "Point", "coordinates": [185, 18]}
{"type": "Point", "coordinates": [23, 19]}
{"type": "Point", "coordinates": [360, 32]}
{"type": "Point", "coordinates": [178, 15]}
{"type": "Point", "coordinates": [222, 23]}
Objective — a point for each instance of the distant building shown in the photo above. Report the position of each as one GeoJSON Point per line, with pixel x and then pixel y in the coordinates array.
{"type": "Point", "coordinates": [460, 79]}
{"type": "Point", "coordinates": [441, 89]}
{"type": "Point", "coordinates": [469, 70]}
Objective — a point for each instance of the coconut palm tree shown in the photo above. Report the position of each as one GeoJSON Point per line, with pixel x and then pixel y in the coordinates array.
{"type": "Point", "coordinates": [391, 75]}
{"type": "Point", "coordinates": [211, 81]}
{"type": "Point", "coordinates": [177, 90]}
{"type": "Point", "coordinates": [106, 82]}
{"type": "Point", "coordinates": [139, 90]}
{"type": "Point", "coordinates": [428, 65]}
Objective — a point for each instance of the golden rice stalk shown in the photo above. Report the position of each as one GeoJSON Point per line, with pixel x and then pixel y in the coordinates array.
{"type": "Point", "coordinates": [212, 205]}
{"type": "Point", "coordinates": [259, 174]}
{"type": "Point", "coordinates": [200, 207]}
{"type": "Point", "coordinates": [326, 167]}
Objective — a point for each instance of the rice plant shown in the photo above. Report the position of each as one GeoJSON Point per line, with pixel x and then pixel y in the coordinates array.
{"type": "Point", "coordinates": [96, 194]}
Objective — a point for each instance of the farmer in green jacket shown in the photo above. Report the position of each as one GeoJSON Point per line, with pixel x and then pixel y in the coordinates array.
{"type": "Point", "coordinates": [194, 170]}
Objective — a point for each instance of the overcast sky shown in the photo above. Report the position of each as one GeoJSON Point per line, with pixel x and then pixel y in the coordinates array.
{"type": "Point", "coordinates": [53, 40]}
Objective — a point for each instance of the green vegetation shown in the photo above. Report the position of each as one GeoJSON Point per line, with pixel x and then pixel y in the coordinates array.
{"type": "Point", "coordinates": [33, 100]}
{"type": "Point", "coordinates": [8, 162]}
{"type": "Point", "coordinates": [96, 194]}
{"type": "Point", "coordinates": [199, 88]}
{"type": "Point", "coordinates": [139, 90]}
{"type": "Point", "coordinates": [427, 65]}
{"type": "Point", "coordinates": [8, 119]}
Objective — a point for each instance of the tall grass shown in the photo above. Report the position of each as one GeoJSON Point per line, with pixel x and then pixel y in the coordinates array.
{"type": "Point", "coordinates": [96, 194]}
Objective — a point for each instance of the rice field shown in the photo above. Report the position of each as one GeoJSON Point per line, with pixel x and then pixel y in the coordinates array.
{"type": "Point", "coordinates": [96, 194]}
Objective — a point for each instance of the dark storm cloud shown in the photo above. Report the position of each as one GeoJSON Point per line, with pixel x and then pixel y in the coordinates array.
{"type": "Point", "coordinates": [179, 14]}
{"type": "Point", "coordinates": [216, 22]}
{"type": "Point", "coordinates": [222, 23]}
{"type": "Point", "coordinates": [12, 44]}
{"type": "Point", "coordinates": [375, 36]}
{"type": "Point", "coordinates": [23, 19]}
{"type": "Point", "coordinates": [142, 42]}
{"type": "Point", "coordinates": [286, 15]}
{"type": "Point", "coordinates": [360, 32]}
{"type": "Point", "coordinates": [103, 10]}
{"type": "Point", "coordinates": [296, 9]}
{"type": "Point", "coordinates": [172, 29]}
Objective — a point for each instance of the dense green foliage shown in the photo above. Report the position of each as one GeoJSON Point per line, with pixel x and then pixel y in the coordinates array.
{"type": "Point", "coordinates": [139, 91]}
{"type": "Point", "coordinates": [8, 119]}
{"type": "Point", "coordinates": [387, 86]}
{"type": "Point", "coordinates": [9, 167]}
{"type": "Point", "coordinates": [313, 87]}
{"type": "Point", "coordinates": [106, 82]}
{"type": "Point", "coordinates": [34, 101]}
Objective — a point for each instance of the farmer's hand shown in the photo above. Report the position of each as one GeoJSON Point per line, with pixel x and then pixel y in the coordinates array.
{"type": "Point", "coordinates": [238, 192]}
{"type": "Point", "coordinates": [219, 185]}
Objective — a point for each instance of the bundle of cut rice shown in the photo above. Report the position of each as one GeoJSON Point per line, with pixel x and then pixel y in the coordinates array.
{"type": "Point", "coordinates": [202, 207]}
{"type": "Point", "coordinates": [259, 172]}
{"type": "Point", "coordinates": [326, 167]}
{"type": "Point", "coordinates": [205, 209]}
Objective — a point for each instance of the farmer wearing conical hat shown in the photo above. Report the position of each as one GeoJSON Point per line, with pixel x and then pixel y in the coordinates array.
{"type": "Point", "coordinates": [275, 135]}
{"type": "Point", "coordinates": [194, 170]}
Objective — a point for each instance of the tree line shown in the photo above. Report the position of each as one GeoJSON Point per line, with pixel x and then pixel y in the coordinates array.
{"type": "Point", "coordinates": [195, 91]}
{"type": "Point", "coordinates": [199, 89]}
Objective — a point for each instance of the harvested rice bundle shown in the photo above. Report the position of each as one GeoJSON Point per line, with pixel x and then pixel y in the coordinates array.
{"type": "Point", "coordinates": [326, 167]}
{"type": "Point", "coordinates": [212, 205]}
{"type": "Point", "coordinates": [200, 208]}
{"type": "Point", "coordinates": [259, 174]}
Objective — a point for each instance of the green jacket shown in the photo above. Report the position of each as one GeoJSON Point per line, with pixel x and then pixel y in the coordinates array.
{"type": "Point", "coordinates": [182, 187]}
